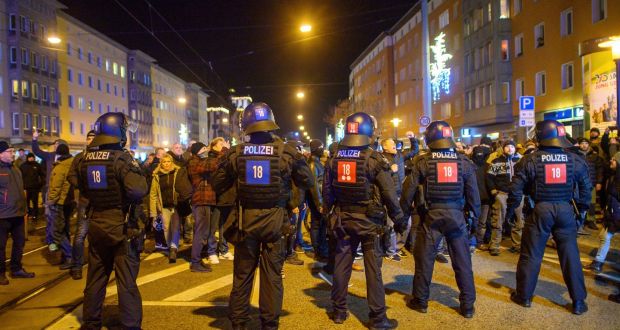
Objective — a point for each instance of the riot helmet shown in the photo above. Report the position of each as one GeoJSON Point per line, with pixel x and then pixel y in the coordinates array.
{"type": "Point", "coordinates": [551, 133]}
{"type": "Point", "coordinates": [439, 135]}
{"type": "Point", "coordinates": [111, 128]}
{"type": "Point", "coordinates": [258, 117]}
{"type": "Point", "coordinates": [359, 129]}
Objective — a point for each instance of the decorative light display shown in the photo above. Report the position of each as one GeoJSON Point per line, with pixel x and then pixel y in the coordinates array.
{"type": "Point", "coordinates": [339, 130]}
{"type": "Point", "coordinates": [183, 134]}
{"type": "Point", "coordinates": [330, 139]}
{"type": "Point", "coordinates": [440, 73]}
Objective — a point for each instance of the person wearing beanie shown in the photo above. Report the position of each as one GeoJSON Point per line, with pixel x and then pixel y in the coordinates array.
{"type": "Point", "coordinates": [49, 157]}
{"type": "Point", "coordinates": [34, 178]}
{"type": "Point", "coordinates": [12, 213]}
{"type": "Point", "coordinates": [60, 205]}
{"type": "Point", "coordinates": [200, 169]}
{"type": "Point", "coordinates": [479, 156]}
{"type": "Point", "coordinates": [499, 177]}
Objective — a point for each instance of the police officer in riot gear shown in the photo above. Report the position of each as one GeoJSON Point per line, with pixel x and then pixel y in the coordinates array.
{"type": "Point", "coordinates": [359, 185]}
{"type": "Point", "coordinates": [263, 169]}
{"type": "Point", "coordinates": [450, 188]}
{"type": "Point", "coordinates": [111, 179]}
{"type": "Point", "coordinates": [549, 176]}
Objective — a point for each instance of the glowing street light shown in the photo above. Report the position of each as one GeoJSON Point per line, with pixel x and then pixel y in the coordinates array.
{"type": "Point", "coordinates": [301, 128]}
{"type": "Point", "coordinates": [300, 117]}
{"type": "Point", "coordinates": [305, 28]}
{"type": "Point", "coordinates": [305, 133]}
{"type": "Point", "coordinates": [395, 122]}
{"type": "Point", "coordinates": [182, 100]}
{"type": "Point", "coordinates": [300, 95]}
{"type": "Point", "coordinates": [224, 120]}
{"type": "Point", "coordinates": [54, 40]}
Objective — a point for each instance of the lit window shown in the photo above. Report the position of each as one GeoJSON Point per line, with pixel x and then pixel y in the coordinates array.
{"type": "Point", "coordinates": [81, 103]}
{"type": "Point", "coordinates": [115, 68]}
{"type": "Point", "coordinates": [35, 91]}
{"type": "Point", "coordinates": [122, 71]}
{"type": "Point", "coordinates": [504, 9]}
{"type": "Point", "coordinates": [25, 89]}
{"type": "Point", "coordinates": [107, 65]}
{"type": "Point", "coordinates": [444, 19]}
{"type": "Point", "coordinates": [15, 88]}
{"type": "Point", "coordinates": [505, 50]}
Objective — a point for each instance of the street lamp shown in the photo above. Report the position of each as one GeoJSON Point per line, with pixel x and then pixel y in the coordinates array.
{"type": "Point", "coordinates": [300, 117]}
{"type": "Point", "coordinates": [182, 100]}
{"type": "Point", "coordinates": [305, 133]}
{"type": "Point", "coordinates": [301, 128]}
{"type": "Point", "coordinates": [53, 39]}
{"type": "Point", "coordinates": [614, 44]}
{"type": "Point", "coordinates": [224, 120]}
{"type": "Point", "coordinates": [300, 95]}
{"type": "Point", "coordinates": [395, 122]}
{"type": "Point", "coordinates": [305, 28]}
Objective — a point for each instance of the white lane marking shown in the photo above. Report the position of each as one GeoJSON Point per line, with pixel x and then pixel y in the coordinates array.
{"type": "Point", "coordinates": [201, 290]}
{"type": "Point", "coordinates": [111, 290]}
{"type": "Point", "coordinates": [324, 277]}
{"type": "Point", "coordinates": [609, 276]}
{"type": "Point", "coordinates": [154, 255]}
{"type": "Point", "coordinates": [29, 252]}
{"type": "Point", "coordinates": [186, 303]}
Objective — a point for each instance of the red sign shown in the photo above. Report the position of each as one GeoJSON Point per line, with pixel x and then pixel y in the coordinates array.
{"type": "Point", "coordinates": [555, 173]}
{"type": "Point", "coordinates": [347, 172]}
{"type": "Point", "coordinates": [447, 172]}
{"type": "Point", "coordinates": [446, 131]}
{"type": "Point", "coordinates": [561, 131]}
{"type": "Point", "coordinates": [353, 128]}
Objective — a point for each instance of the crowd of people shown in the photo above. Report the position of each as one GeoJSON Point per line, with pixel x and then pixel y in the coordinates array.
{"type": "Point", "coordinates": [363, 197]}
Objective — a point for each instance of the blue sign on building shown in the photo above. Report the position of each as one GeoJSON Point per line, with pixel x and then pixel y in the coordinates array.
{"type": "Point", "coordinates": [526, 103]}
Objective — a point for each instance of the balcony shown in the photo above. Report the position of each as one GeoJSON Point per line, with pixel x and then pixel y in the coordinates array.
{"type": "Point", "coordinates": [495, 114]}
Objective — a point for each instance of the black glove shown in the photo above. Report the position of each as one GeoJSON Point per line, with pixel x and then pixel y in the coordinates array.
{"type": "Point", "coordinates": [400, 225]}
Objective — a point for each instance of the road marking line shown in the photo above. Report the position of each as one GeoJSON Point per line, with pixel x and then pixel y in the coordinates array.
{"type": "Point", "coordinates": [608, 276]}
{"type": "Point", "coordinates": [154, 255]}
{"type": "Point", "coordinates": [186, 303]}
{"type": "Point", "coordinates": [201, 290]}
{"type": "Point", "coordinates": [324, 277]}
{"type": "Point", "coordinates": [111, 290]}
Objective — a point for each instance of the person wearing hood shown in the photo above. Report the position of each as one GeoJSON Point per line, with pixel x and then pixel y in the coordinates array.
{"type": "Point", "coordinates": [479, 156]}
{"type": "Point", "coordinates": [169, 187]}
{"type": "Point", "coordinates": [596, 169]}
{"type": "Point", "coordinates": [499, 177]}
{"type": "Point", "coordinates": [34, 178]}
{"type": "Point", "coordinates": [60, 205]}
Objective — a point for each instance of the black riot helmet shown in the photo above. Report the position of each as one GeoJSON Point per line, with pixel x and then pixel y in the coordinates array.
{"type": "Point", "coordinates": [359, 129]}
{"type": "Point", "coordinates": [551, 133]}
{"type": "Point", "coordinates": [293, 139]}
{"type": "Point", "coordinates": [439, 135]}
{"type": "Point", "coordinates": [258, 117]}
{"type": "Point", "coordinates": [111, 128]}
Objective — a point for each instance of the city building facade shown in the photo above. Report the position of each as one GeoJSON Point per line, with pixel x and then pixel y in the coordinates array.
{"type": "Point", "coordinates": [32, 98]}
{"type": "Point", "coordinates": [219, 122]}
{"type": "Point", "coordinates": [93, 78]}
{"type": "Point", "coordinates": [192, 110]}
{"type": "Point", "coordinates": [169, 110]}
{"type": "Point", "coordinates": [140, 100]}
{"type": "Point", "coordinates": [239, 103]}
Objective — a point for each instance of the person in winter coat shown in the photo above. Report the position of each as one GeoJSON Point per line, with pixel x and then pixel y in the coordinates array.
{"type": "Point", "coordinates": [170, 185]}
{"type": "Point", "coordinates": [12, 211]}
{"type": "Point", "coordinates": [479, 156]}
{"type": "Point", "coordinates": [596, 168]}
{"type": "Point", "coordinates": [225, 202]}
{"type": "Point", "coordinates": [34, 179]}
{"type": "Point", "coordinates": [499, 177]}
{"type": "Point", "coordinates": [60, 205]}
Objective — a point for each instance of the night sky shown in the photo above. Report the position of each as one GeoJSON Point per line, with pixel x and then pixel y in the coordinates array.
{"type": "Point", "coordinates": [254, 47]}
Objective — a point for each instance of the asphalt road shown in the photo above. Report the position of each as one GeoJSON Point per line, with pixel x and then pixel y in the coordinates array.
{"type": "Point", "coordinates": [173, 297]}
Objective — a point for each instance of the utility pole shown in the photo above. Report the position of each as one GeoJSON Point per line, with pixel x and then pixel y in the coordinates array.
{"type": "Point", "coordinates": [426, 81]}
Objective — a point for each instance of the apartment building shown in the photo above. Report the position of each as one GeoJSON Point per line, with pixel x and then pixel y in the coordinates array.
{"type": "Point", "coordinates": [93, 78]}
{"type": "Point", "coordinates": [169, 111]}
{"type": "Point", "coordinates": [192, 110]}
{"type": "Point", "coordinates": [575, 83]}
{"type": "Point", "coordinates": [140, 101]}
{"type": "Point", "coordinates": [5, 115]}
{"type": "Point", "coordinates": [31, 71]}
{"type": "Point", "coordinates": [239, 103]}
{"type": "Point", "coordinates": [219, 122]}
{"type": "Point", "coordinates": [203, 117]}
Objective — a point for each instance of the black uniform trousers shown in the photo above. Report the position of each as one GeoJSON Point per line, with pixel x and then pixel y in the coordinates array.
{"type": "Point", "coordinates": [15, 227]}
{"type": "Point", "coordinates": [348, 238]}
{"type": "Point", "coordinates": [254, 251]}
{"type": "Point", "coordinates": [449, 223]}
{"type": "Point", "coordinates": [124, 258]}
{"type": "Point", "coordinates": [557, 219]}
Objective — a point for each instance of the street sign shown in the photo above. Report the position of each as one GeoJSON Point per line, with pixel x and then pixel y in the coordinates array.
{"type": "Point", "coordinates": [526, 103]}
{"type": "Point", "coordinates": [425, 120]}
{"type": "Point", "coordinates": [526, 111]}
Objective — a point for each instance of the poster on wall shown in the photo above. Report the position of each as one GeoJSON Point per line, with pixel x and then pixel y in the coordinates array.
{"type": "Point", "coordinates": [599, 89]}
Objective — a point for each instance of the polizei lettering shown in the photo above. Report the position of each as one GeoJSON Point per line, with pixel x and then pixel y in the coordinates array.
{"type": "Point", "coordinates": [258, 150]}
{"type": "Point", "coordinates": [554, 158]}
{"type": "Point", "coordinates": [97, 155]}
{"type": "Point", "coordinates": [349, 153]}
{"type": "Point", "coordinates": [444, 154]}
